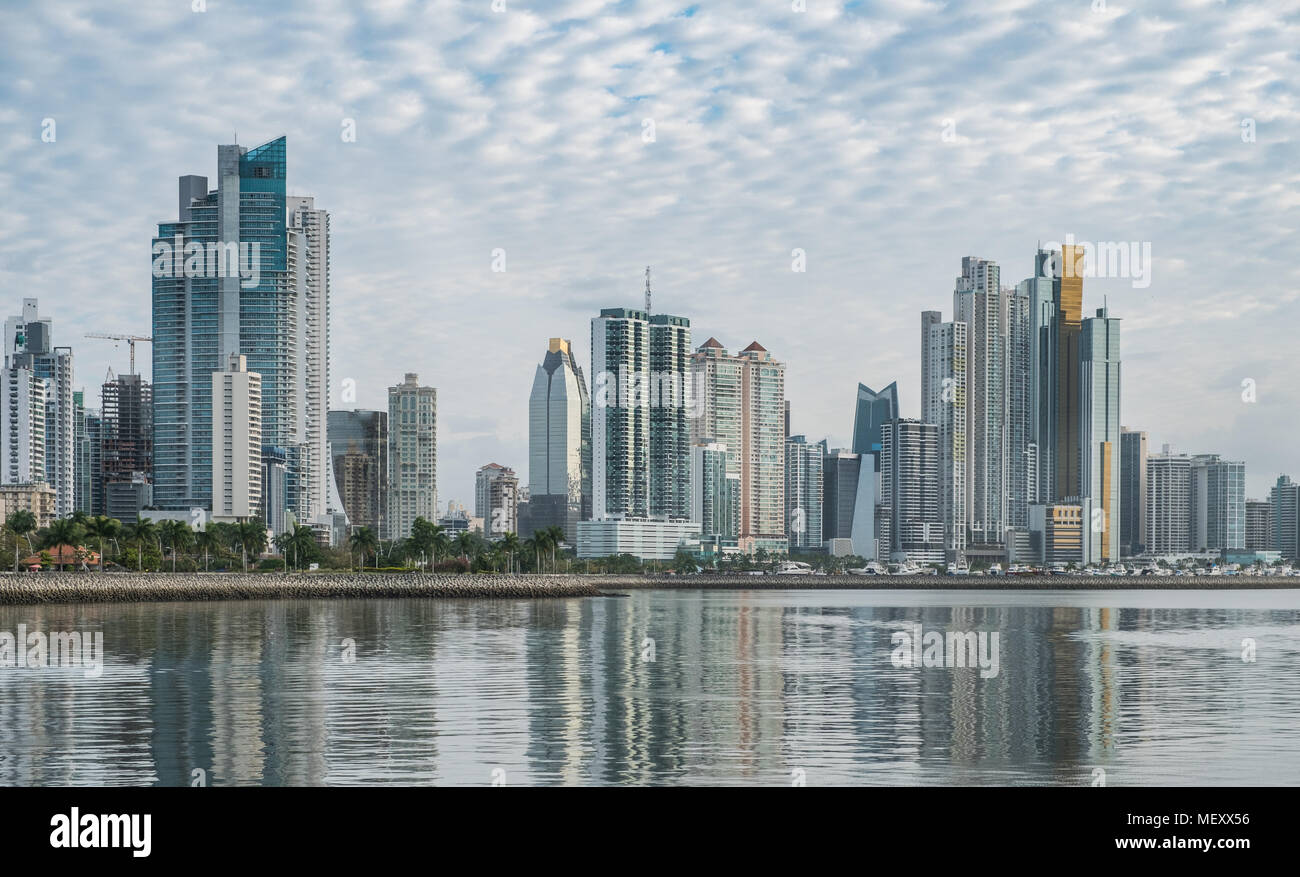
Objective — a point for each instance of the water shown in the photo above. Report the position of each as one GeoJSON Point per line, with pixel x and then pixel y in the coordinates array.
{"type": "Point", "coordinates": [745, 688]}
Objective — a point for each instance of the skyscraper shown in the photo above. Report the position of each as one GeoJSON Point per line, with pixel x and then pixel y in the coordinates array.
{"type": "Point", "coordinates": [412, 456]}
{"type": "Point", "coordinates": [1022, 450]}
{"type": "Point", "coordinates": [944, 396]}
{"type": "Point", "coordinates": [1169, 482]}
{"type": "Point", "coordinates": [358, 442]}
{"type": "Point", "coordinates": [89, 458]}
{"type": "Point", "coordinates": [1284, 509]}
{"type": "Point", "coordinates": [236, 441]}
{"type": "Point", "coordinates": [1132, 491]}
{"type": "Point", "coordinates": [496, 500]}
{"type": "Point", "coordinates": [909, 478]}
{"type": "Point", "coordinates": [804, 486]}
{"type": "Point", "coordinates": [22, 426]}
{"type": "Point", "coordinates": [670, 429]}
{"type": "Point", "coordinates": [238, 272]}
{"type": "Point", "coordinates": [1067, 290]}
{"type": "Point", "coordinates": [620, 414]}
{"type": "Point", "coordinates": [1037, 293]}
{"type": "Point", "coordinates": [1099, 395]}
{"type": "Point", "coordinates": [127, 433]}
{"type": "Point", "coordinates": [979, 302]}
{"type": "Point", "coordinates": [1259, 525]}
{"type": "Point", "coordinates": [29, 346]}
{"type": "Point", "coordinates": [559, 443]}
{"type": "Point", "coordinates": [715, 496]}
{"type": "Point", "coordinates": [1217, 504]}
{"type": "Point", "coordinates": [841, 471]}
{"type": "Point", "coordinates": [873, 411]}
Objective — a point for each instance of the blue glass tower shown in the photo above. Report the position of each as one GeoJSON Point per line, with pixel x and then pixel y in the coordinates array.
{"type": "Point", "coordinates": [224, 282]}
{"type": "Point", "coordinates": [873, 410]}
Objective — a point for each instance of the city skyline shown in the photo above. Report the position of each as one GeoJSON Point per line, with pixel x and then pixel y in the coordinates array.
{"type": "Point", "coordinates": [863, 187]}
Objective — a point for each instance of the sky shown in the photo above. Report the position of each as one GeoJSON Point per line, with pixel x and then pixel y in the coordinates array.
{"type": "Point", "coordinates": [711, 141]}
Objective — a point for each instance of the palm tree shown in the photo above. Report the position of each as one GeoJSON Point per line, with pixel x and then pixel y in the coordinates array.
{"type": "Point", "coordinates": [64, 531]}
{"type": "Point", "coordinates": [20, 523]}
{"type": "Point", "coordinates": [102, 527]}
{"type": "Point", "coordinates": [554, 536]}
{"type": "Point", "coordinates": [138, 531]}
{"type": "Point", "coordinates": [302, 541]}
{"type": "Point", "coordinates": [509, 543]}
{"type": "Point", "coordinates": [207, 540]}
{"type": "Point", "coordinates": [251, 536]}
{"type": "Point", "coordinates": [441, 545]}
{"type": "Point", "coordinates": [424, 534]}
{"type": "Point", "coordinates": [466, 545]}
{"type": "Point", "coordinates": [533, 544]}
{"type": "Point", "coordinates": [363, 542]}
{"type": "Point", "coordinates": [177, 535]}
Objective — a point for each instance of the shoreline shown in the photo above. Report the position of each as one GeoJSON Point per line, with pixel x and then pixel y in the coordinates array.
{"type": "Point", "coordinates": [93, 587]}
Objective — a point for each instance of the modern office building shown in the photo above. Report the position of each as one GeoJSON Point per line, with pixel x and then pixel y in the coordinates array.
{"type": "Point", "coordinates": [1169, 484]}
{"type": "Point", "coordinates": [89, 457]}
{"type": "Point", "coordinates": [275, 489]}
{"type": "Point", "coordinates": [979, 302]}
{"type": "Point", "coordinates": [1217, 500]}
{"type": "Point", "coordinates": [804, 487]}
{"type": "Point", "coordinates": [715, 497]}
{"type": "Point", "coordinates": [840, 470]}
{"type": "Point", "coordinates": [670, 427]}
{"type": "Point", "coordinates": [912, 524]}
{"type": "Point", "coordinates": [243, 269]}
{"type": "Point", "coordinates": [29, 347]}
{"type": "Point", "coordinates": [944, 402]}
{"type": "Point", "coordinates": [1039, 372]}
{"type": "Point", "coordinates": [620, 413]}
{"type": "Point", "coordinates": [496, 500]}
{"type": "Point", "coordinates": [126, 499]}
{"type": "Point", "coordinates": [1099, 396]}
{"type": "Point", "coordinates": [1058, 533]}
{"type": "Point", "coordinates": [1132, 491]}
{"type": "Point", "coordinates": [1284, 511]}
{"type": "Point", "coordinates": [559, 444]}
{"type": "Point", "coordinates": [358, 442]}
{"type": "Point", "coordinates": [412, 456]}
{"type": "Point", "coordinates": [1021, 448]}
{"type": "Point", "coordinates": [872, 412]}
{"type": "Point", "coordinates": [1259, 525]}
{"type": "Point", "coordinates": [1067, 291]}
{"type": "Point", "coordinates": [236, 441]}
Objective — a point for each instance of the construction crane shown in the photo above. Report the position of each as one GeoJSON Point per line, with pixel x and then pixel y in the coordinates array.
{"type": "Point", "coordinates": [129, 339]}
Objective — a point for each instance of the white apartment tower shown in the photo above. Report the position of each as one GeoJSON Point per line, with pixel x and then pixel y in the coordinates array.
{"type": "Point", "coordinates": [309, 236]}
{"type": "Point", "coordinates": [944, 398]}
{"type": "Point", "coordinates": [412, 456]}
{"type": "Point", "coordinates": [236, 442]}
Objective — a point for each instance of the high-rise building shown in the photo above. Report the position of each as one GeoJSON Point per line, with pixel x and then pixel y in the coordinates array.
{"type": "Point", "coordinates": [1169, 483]}
{"type": "Point", "coordinates": [715, 496]}
{"type": "Point", "coordinates": [1067, 291]}
{"type": "Point", "coordinates": [1099, 396]}
{"type": "Point", "coordinates": [1259, 525]}
{"type": "Point", "coordinates": [979, 302]}
{"type": "Point", "coordinates": [308, 232]}
{"type": "Point", "coordinates": [1217, 500]}
{"type": "Point", "coordinates": [670, 428]}
{"type": "Point", "coordinates": [236, 441]}
{"type": "Point", "coordinates": [1022, 450]}
{"type": "Point", "coordinates": [1284, 511]}
{"type": "Point", "coordinates": [620, 414]}
{"type": "Point", "coordinates": [559, 443]}
{"type": "Point", "coordinates": [1057, 532]}
{"type": "Point", "coordinates": [909, 477]}
{"type": "Point", "coordinates": [804, 486]}
{"type": "Point", "coordinates": [944, 398]}
{"type": "Point", "coordinates": [1132, 491]}
{"type": "Point", "coordinates": [740, 402]}
{"type": "Point", "coordinates": [22, 426]}
{"type": "Point", "coordinates": [496, 500]}
{"type": "Point", "coordinates": [127, 438]}
{"type": "Point", "coordinates": [873, 411]}
{"type": "Point", "coordinates": [412, 456]}
{"type": "Point", "coordinates": [841, 469]}
{"type": "Point", "coordinates": [243, 269]}
{"type": "Point", "coordinates": [358, 442]}
{"type": "Point", "coordinates": [29, 345]}
{"type": "Point", "coordinates": [1036, 293]}
{"type": "Point", "coordinates": [89, 458]}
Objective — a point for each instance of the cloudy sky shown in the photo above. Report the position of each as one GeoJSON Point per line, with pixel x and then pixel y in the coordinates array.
{"type": "Point", "coordinates": [589, 139]}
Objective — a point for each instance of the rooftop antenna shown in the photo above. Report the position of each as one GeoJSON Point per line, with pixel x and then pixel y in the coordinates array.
{"type": "Point", "coordinates": [647, 290]}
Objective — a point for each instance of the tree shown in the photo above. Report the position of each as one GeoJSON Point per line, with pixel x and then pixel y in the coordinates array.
{"type": "Point", "coordinates": [424, 535]}
{"type": "Point", "coordinates": [139, 531]}
{"type": "Point", "coordinates": [554, 536]}
{"type": "Point", "coordinates": [466, 545]}
{"type": "Point", "coordinates": [102, 528]}
{"type": "Point", "coordinates": [177, 535]}
{"type": "Point", "coordinates": [302, 542]}
{"type": "Point", "coordinates": [363, 542]}
{"type": "Point", "coordinates": [207, 540]}
{"type": "Point", "coordinates": [64, 531]}
{"type": "Point", "coordinates": [509, 543]}
{"type": "Point", "coordinates": [251, 538]}
{"type": "Point", "coordinates": [20, 523]}
{"type": "Point", "coordinates": [441, 545]}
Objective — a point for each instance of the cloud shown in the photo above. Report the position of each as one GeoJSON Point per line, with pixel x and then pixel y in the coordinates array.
{"type": "Point", "coordinates": [523, 130]}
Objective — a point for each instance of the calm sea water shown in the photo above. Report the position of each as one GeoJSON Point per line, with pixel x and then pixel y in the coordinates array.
{"type": "Point", "coordinates": [665, 687]}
